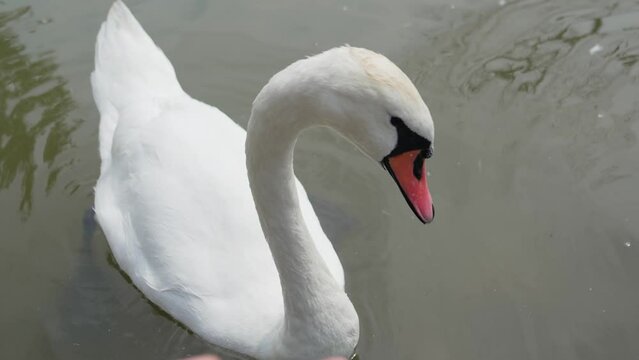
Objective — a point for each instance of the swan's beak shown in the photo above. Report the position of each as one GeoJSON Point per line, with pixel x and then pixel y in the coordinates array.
{"type": "Point", "coordinates": [408, 169]}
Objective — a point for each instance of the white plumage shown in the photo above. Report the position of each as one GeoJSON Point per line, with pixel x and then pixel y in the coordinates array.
{"type": "Point", "coordinates": [174, 200]}
{"type": "Point", "coordinates": [173, 196]}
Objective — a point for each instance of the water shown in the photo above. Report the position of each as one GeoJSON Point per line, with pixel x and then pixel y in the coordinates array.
{"type": "Point", "coordinates": [535, 175]}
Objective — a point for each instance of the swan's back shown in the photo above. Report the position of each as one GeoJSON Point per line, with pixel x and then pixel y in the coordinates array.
{"type": "Point", "coordinates": [173, 197]}
{"type": "Point", "coordinates": [129, 68]}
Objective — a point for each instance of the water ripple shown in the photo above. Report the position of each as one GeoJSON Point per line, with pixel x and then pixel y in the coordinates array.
{"type": "Point", "coordinates": [34, 105]}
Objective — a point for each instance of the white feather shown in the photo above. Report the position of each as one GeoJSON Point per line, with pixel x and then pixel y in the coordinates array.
{"type": "Point", "coordinates": [174, 200]}
{"type": "Point", "coordinates": [173, 197]}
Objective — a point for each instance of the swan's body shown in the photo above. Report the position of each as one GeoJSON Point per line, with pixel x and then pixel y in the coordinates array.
{"type": "Point", "coordinates": [174, 201]}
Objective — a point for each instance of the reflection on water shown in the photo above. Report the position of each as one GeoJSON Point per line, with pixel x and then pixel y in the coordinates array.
{"type": "Point", "coordinates": [34, 104]}
{"type": "Point", "coordinates": [524, 60]}
{"type": "Point", "coordinates": [581, 63]}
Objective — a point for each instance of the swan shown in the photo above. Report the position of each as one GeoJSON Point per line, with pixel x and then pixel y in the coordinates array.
{"type": "Point", "coordinates": [210, 222]}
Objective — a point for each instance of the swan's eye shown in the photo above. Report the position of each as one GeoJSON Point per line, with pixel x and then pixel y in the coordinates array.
{"type": "Point", "coordinates": [408, 140]}
{"type": "Point", "coordinates": [428, 153]}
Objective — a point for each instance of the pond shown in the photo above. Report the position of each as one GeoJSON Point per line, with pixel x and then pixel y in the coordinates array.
{"type": "Point", "coordinates": [534, 251]}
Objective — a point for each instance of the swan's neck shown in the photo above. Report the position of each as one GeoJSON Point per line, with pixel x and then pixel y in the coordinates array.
{"type": "Point", "coordinates": [319, 317]}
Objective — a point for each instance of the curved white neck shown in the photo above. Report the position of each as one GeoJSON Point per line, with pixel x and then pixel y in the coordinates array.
{"type": "Point", "coordinates": [319, 317]}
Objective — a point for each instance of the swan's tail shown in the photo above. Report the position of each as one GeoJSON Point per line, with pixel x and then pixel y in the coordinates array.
{"type": "Point", "coordinates": [129, 68]}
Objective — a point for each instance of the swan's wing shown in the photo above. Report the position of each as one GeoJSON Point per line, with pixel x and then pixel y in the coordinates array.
{"type": "Point", "coordinates": [129, 68]}
{"type": "Point", "coordinates": [173, 197]}
{"type": "Point", "coordinates": [176, 209]}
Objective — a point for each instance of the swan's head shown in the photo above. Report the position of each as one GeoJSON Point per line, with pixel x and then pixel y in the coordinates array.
{"type": "Point", "coordinates": [369, 100]}
{"type": "Point", "coordinates": [374, 104]}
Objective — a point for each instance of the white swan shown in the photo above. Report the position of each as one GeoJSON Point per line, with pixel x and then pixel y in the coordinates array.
{"type": "Point", "coordinates": [174, 200]}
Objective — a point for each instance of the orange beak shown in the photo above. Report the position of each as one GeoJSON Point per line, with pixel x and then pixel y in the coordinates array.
{"type": "Point", "coordinates": [408, 169]}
